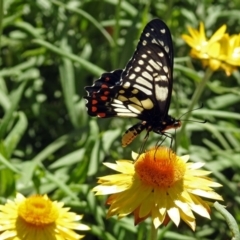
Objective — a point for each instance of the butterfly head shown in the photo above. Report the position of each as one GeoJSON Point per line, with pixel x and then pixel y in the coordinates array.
{"type": "Point", "coordinates": [173, 124]}
{"type": "Point", "coordinates": [168, 123]}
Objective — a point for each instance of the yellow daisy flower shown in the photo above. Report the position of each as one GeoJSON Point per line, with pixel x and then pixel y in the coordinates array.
{"type": "Point", "coordinates": [221, 51]}
{"type": "Point", "coordinates": [201, 47]}
{"type": "Point", "coordinates": [160, 185]}
{"type": "Point", "coordinates": [38, 218]}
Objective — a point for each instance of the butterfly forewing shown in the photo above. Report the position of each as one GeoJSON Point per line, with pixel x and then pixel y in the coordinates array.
{"type": "Point", "coordinates": [146, 86]}
{"type": "Point", "coordinates": [156, 32]}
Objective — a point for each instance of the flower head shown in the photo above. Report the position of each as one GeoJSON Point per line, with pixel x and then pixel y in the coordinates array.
{"type": "Point", "coordinates": [37, 217]}
{"type": "Point", "coordinates": [161, 185]}
{"type": "Point", "coordinates": [221, 51]}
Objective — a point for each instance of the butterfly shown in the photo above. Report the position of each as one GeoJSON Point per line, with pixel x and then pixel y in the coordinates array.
{"type": "Point", "coordinates": [142, 89]}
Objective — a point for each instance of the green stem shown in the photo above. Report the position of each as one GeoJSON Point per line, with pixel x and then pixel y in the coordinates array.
{"type": "Point", "coordinates": [229, 219]}
{"type": "Point", "coordinates": [195, 98]}
{"type": "Point", "coordinates": [154, 232]}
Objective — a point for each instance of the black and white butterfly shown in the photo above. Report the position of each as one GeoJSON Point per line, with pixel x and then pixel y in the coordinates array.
{"type": "Point", "coordinates": [142, 89]}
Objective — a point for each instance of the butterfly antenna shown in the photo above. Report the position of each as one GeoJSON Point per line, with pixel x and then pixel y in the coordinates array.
{"type": "Point", "coordinates": [204, 121]}
{"type": "Point", "coordinates": [191, 111]}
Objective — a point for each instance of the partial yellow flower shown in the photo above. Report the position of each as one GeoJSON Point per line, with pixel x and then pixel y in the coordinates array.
{"type": "Point", "coordinates": [230, 54]}
{"type": "Point", "coordinates": [221, 51]}
{"type": "Point", "coordinates": [199, 43]}
{"type": "Point", "coordinates": [160, 185]}
{"type": "Point", "coordinates": [38, 218]}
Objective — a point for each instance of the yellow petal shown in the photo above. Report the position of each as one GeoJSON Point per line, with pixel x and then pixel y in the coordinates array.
{"type": "Point", "coordinates": [218, 34]}
{"type": "Point", "coordinates": [146, 206]}
{"type": "Point", "coordinates": [206, 194]}
{"type": "Point", "coordinates": [173, 213]}
{"type": "Point", "coordinates": [199, 209]}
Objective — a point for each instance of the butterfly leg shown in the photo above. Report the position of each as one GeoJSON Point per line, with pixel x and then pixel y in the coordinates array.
{"type": "Point", "coordinates": [149, 129]}
{"type": "Point", "coordinates": [165, 135]}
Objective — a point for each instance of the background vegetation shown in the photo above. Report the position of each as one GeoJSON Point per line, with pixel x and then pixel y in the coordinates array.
{"type": "Point", "coordinates": [51, 49]}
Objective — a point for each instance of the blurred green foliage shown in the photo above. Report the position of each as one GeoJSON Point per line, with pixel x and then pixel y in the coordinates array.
{"type": "Point", "coordinates": [51, 49]}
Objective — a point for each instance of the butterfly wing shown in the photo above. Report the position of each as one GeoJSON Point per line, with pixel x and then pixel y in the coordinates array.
{"type": "Point", "coordinates": [145, 90]}
{"type": "Point", "coordinates": [144, 87]}
{"type": "Point", "coordinates": [99, 93]}
{"type": "Point", "coordinates": [156, 32]}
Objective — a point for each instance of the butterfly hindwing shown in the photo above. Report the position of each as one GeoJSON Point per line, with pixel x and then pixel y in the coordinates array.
{"type": "Point", "coordinates": [99, 94]}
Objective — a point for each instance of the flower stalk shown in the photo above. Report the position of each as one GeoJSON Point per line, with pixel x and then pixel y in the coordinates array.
{"type": "Point", "coordinates": [229, 219]}
{"type": "Point", "coordinates": [154, 232]}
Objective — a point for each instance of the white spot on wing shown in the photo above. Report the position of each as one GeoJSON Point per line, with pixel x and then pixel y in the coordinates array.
{"type": "Point", "coordinates": [161, 93]}
{"type": "Point", "coordinates": [162, 43]}
{"type": "Point", "coordinates": [143, 89]}
{"type": "Point", "coordinates": [118, 106]}
{"type": "Point", "coordinates": [154, 41]}
{"type": "Point", "coordinates": [149, 68]}
{"type": "Point", "coordinates": [163, 78]}
{"type": "Point", "coordinates": [144, 82]}
{"type": "Point", "coordinates": [154, 65]}
{"type": "Point", "coordinates": [133, 109]}
{"type": "Point", "coordinates": [159, 78]}
{"type": "Point", "coordinates": [127, 114]}
{"type": "Point", "coordinates": [161, 54]}
{"type": "Point", "coordinates": [147, 75]}
{"type": "Point", "coordinates": [132, 76]}
{"type": "Point", "coordinates": [126, 85]}
{"type": "Point", "coordinates": [121, 110]}
{"type": "Point", "coordinates": [117, 102]}
{"type": "Point", "coordinates": [137, 69]}
{"type": "Point", "coordinates": [165, 69]}
{"type": "Point", "coordinates": [163, 30]}
{"type": "Point", "coordinates": [141, 62]}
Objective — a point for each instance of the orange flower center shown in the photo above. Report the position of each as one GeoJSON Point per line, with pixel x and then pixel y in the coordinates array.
{"type": "Point", "coordinates": [38, 210]}
{"type": "Point", "coordinates": [160, 167]}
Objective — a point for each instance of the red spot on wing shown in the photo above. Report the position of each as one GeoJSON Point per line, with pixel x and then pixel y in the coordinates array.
{"type": "Point", "coordinates": [104, 98]}
{"type": "Point", "coordinates": [106, 93]}
{"type": "Point", "coordinates": [94, 109]}
{"type": "Point", "coordinates": [94, 102]}
{"type": "Point", "coordinates": [102, 115]}
{"type": "Point", "coordinates": [104, 86]}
